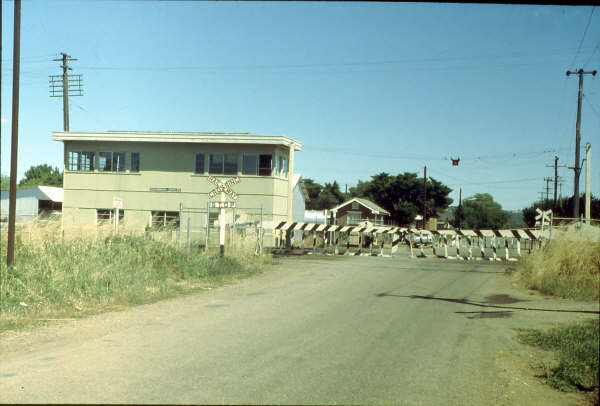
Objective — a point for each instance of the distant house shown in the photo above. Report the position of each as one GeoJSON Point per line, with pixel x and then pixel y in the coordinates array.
{"type": "Point", "coordinates": [32, 202]}
{"type": "Point", "coordinates": [358, 210]}
{"type": "Point", "coordinates": [299, 198]}
{"type": "Point", "coordinates": [315, 216]}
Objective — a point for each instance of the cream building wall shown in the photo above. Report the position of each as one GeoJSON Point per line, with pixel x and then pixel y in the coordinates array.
{"type": "Point", "coordinates": [167, 178]}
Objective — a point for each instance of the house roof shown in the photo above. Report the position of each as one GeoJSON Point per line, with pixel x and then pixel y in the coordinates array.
{"type": "Point", "coordinates": [178, 137]}
{"type": "Point", "coordinates": [52, 193]}
{"type": "Point", "coordinates": [375, 209]}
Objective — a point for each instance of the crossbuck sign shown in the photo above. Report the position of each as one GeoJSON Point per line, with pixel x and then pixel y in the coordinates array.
{"type": "Point", "coordinates": [223, 187]}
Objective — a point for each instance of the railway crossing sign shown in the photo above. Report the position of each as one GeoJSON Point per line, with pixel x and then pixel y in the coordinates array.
{"type": "Point", "coordinates": [222, 205]}
{"type": "Point", "coordinates": [223, 187]}
{"type": "Point", "coordinates": [543, 215]}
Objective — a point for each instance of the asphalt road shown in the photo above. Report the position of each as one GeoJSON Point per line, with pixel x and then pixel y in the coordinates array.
{"type": "Point", "coordinates": [322, 330]}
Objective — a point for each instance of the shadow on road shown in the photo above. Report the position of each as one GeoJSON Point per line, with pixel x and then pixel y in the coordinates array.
{"type": "Point", "coordinates": [468, 302]}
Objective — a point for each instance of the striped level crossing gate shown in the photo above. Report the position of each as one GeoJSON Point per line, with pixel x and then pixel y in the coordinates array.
{"type": "Point", "coordinates": [375, 240]}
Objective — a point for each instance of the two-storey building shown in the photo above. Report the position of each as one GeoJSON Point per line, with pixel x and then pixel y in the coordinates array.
{"type": "Point", "coordinates": [154, 174]}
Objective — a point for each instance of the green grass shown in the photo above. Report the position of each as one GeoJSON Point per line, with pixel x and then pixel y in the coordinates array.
{"type": "Point", "coordinates": [568, 267]}
{"type": "Point", "coordinates": [576, 348]}
{"type": "Point", "coordinates": [51, 279]}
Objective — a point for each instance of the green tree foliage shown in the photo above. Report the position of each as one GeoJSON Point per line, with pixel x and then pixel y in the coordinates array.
{"type": "Point", "coordinates": [322, 197]}
{"type": "Point", "coordinates": [402, 195]}
{"type": "Point", "coordinates": [564, 208]}
{"type": "Point", "coordinates": [5, 182]}
{"type": "Point", "coordinates": [481, 211]}
{"type": "Point", "coordinates": [42, 175]}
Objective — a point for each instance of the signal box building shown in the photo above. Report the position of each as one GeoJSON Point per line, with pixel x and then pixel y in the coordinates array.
{"type": "Point", "coordinates": [154, 174]}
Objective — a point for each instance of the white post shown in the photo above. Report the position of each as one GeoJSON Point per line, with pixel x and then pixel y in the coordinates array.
{"type": "Point", "coordinates": [588, 198]}
{"type": "Point", "coordinates": [116, 220]}
{"type": "Point", "coordinates": [222, 226]}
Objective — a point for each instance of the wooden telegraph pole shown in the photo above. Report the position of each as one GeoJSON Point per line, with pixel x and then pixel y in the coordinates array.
{"type": "Point", "coordinates": [424, 197]}
{"type": "Point", "coordinates": [12, 204]}
{"type": "Point", "coordinates": [577, 167]}
{"type": "Point", "coordinates": [65, 86]}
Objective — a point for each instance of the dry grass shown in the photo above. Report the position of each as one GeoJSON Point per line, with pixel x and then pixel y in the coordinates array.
{"type": "Point", "coordinates": [568, 266]}
{"type": "Point", "coordinates": [92, 271]}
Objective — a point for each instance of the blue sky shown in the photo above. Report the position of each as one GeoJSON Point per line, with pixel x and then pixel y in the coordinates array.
{"type": "Point", "coordinates": [366, 87]}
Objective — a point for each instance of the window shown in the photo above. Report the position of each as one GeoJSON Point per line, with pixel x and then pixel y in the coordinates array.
{"type": "Point", "coordinates": [199, 164]}
{"type": "Point", "coordinates": [231, 164]}
{"type": "Point", "coordinates": [285, 168]}
{"type": "Point", "coordinates": [105, 161]}
{"type": "Point", "coordinates": [264, 165]}
{"type": "Point", "coordinates": [280, 173]}
{"type": "Point", "coordinates": [163, 219]}
{"type": "Point", "coordinates": [276, 163]}
{"type": "Point", "coordinates": [135, 162]}
{"type": "Point", "coordinates": [353, 217]}
{"type": "Point", "coordinates": [216, 163]}
{"type": "Point", "coordinates": [354, 205]}
{"type": "Point", "coordinates": [249, 164]}
{"type": "Point", "coordinates": [118, 161]}
{"type": "Point", "coordinates": [106, 216]}
{"type": "Point", "coordinates": [80, 161]}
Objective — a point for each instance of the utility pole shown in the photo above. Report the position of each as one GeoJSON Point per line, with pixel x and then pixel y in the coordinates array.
{"type": "Point", "coordinates": [556, 166]}
{"type": "Point", "coordinates": [547, 180]}
{"type": "Point", "coordinates": [541, 196]}
{"type": "Point", "coordinates": [459, 206]}
{"type": "Point", "coordinates": [63, 86]}
{"type": "Point", "coordinates": [577, 167]}
{"type": "Point", "coordinates": [12, 194]}
{"type": "Point", "coordinates": [588, 199]}
{"type": "Point", "coordinates": [424, 197]}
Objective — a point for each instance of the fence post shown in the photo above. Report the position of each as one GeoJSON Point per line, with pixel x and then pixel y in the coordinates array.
{"type": "Point", "coordinates": [260, 233]}
{"type": "Point", "coordinates": [233, 232]}
{"type": "Point", "coordinates": [189, 239]}
{"type": "Point", "coordinates": [207, 226]}
{"type": "Point", "coordinates": [180, 220]}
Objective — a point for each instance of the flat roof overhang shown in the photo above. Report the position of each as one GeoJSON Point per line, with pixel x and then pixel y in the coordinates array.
{"type": "Point", "coordinates": [178, 137]}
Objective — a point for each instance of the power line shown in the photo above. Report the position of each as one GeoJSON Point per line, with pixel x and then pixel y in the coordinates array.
{"type": "Point", "coordinates": [593, 53]}
{"type": "Point", "coordinates": [583, 37]}
{"type": "Point", "coordinates": [336, 64]}
{"type": "Point", "coordinates": [587, 99]}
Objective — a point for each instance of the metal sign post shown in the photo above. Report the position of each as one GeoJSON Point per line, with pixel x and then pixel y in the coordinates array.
{"type": "Point", "coordinates": [224, 188]}
{"type": "Point", "coordinates": [117, 204]}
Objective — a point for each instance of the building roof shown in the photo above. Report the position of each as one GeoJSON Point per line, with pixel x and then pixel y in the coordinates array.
{"type": "Point", "coordinates": [375, 209]}
{"type": "Point", "coordinates": [52, 193]}
{"type": "Point", "coordinates": [183, 137]}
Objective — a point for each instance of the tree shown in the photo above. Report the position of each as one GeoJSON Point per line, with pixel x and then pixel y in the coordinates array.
{"type": "Point", "coordinates": [42, 175]}
{"type": "Point", "coordinates": [322, 197]}
{"type": "Point", "coordinates": [402, 195]}
{"type": "Point", "coordinates": [5, 182]}
{"type": "Point", "coordinates": [481, 211]}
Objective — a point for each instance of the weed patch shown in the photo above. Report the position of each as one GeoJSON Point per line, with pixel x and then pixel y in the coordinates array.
{"type": "Point", "coordinates": [568, 267]}
{"type": "Point", "coordinates": [576, 348]}
{"type": "Point", "coordinates": [51, 279]}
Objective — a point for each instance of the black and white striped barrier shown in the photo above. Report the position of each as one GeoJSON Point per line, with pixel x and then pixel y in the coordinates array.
{"type": "Point", "coordinates": [399, 235]}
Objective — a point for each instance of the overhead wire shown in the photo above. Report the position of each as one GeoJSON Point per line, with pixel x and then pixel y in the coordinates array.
{"type": "Point", "coordinates": [583, 37]}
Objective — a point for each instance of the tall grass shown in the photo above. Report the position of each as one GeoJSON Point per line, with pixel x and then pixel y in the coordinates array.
{"type": "Point", "coordinates": [568, 266]}
{"type": "Point", "coordinates": [53, 279]}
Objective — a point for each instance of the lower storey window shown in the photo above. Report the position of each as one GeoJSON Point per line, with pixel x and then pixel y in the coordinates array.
{"type": "Point", "coordinates": [107, 216]}
{"type": "Point", "coordinates": [162, 219]}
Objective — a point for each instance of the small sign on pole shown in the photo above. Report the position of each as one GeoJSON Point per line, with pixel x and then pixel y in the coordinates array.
{"type": "Point", "coordinates": [118, 202]}
{"type": "Point", "coordinates": [118, 205]}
